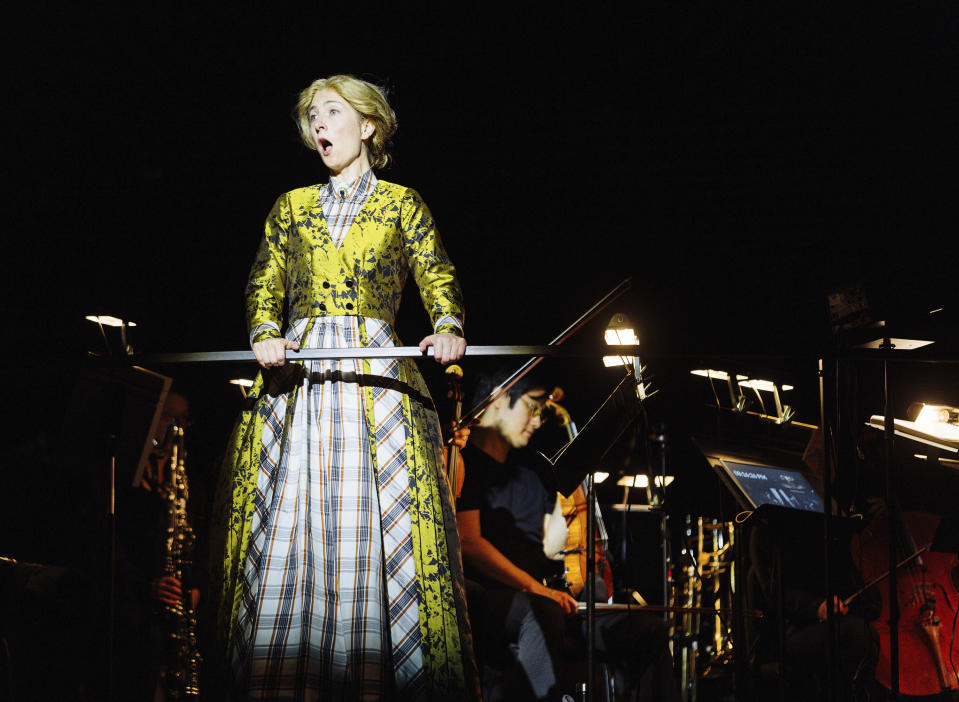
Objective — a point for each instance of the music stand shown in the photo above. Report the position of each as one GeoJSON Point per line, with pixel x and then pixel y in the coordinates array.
{"type": "Point", "coordinates": [577, 460]}
{"type": "Point", "coordinates": [112, 419]}
{"type": "Point", "coordinates": [618, 411]}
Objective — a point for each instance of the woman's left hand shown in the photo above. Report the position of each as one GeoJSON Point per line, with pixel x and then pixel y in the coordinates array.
{"type": "Point", "coordinates": [447, 348]}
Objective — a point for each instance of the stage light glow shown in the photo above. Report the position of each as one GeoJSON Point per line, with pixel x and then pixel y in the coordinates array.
{"type": "Point", "coordinates": [941, 421]}
{"type": "Point", "coordinates": [642, 481]}
{"type": "Point", "coordinates": [599, 476]}
{"type": "Point", "coordinates": [764, 385]}
{"type": "Point", "coordinates": [715, 374]}
{"type": "Point", "coordinates": [108, 321]}
{"type": "Point", "coordinates": [245, 382]}
{"type": "Point", "coordinates": [619, 332]}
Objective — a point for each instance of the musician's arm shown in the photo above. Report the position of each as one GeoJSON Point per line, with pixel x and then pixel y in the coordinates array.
{"type": "Point", "coordinates": [491, 562]}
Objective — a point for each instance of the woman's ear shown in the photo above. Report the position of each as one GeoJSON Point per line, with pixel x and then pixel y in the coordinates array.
{"type": "Point", "coordinates": [367, 129]}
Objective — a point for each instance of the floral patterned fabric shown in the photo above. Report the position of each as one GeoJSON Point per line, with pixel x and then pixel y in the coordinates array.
{"type": "Point", "coordinates": [299, 270]}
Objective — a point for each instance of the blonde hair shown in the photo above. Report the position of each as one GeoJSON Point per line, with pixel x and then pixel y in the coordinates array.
{"type": "Point", "coordinates": [364, 97]}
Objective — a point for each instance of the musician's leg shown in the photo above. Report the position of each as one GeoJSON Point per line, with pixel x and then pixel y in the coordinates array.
{"type": "Point", "coordinates": [536, 626]}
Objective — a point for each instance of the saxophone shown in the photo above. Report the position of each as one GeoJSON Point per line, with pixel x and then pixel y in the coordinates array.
{"type": "Point", "coordinates": [180, 670]}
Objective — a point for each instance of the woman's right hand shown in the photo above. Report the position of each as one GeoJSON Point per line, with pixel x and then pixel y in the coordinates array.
{"type": "Point", "coordinates": [272, 352]}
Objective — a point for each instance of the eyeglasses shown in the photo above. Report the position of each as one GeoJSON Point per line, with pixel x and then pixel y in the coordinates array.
{"type": "Point", "coordinates": [535, 409]}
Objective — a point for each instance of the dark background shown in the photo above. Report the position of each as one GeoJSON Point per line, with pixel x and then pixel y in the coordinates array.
{"type": "Point", "coordinates": [738, 161]}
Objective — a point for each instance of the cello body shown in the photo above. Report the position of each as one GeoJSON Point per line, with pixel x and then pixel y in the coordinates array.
{"type": "Point", "coordinates": [927, 598]}
{"type": "Point", "coordinates": [574, 511]}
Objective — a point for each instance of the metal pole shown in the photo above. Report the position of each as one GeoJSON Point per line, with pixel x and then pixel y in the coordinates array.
{"type": "Point", "coordinates": [892, 509]}
{"type": "Point", "coordinates": [590, 586]}
{"type": "Point", "coordinates": [831, 679]}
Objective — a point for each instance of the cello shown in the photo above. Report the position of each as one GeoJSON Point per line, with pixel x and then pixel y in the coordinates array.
{"type": "Point", "coordinates": [453, 471]}
{"type": "Point", "coordinates": [927, 598]}
{"type": "Point", "coordinates": [574, 512]}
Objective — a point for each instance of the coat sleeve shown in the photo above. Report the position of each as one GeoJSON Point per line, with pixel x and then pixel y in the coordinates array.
{"type": "Point", "coordinates": [432, 268]}
{"type": "Point", "coordinates": [266, 286]}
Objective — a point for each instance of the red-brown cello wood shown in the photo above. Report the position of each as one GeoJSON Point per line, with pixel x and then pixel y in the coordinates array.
{"type": "Point", "coordinates": [927, 599]}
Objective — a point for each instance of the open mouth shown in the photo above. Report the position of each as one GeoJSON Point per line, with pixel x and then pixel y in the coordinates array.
{"type": "Point", "coordinates": [325, 146]}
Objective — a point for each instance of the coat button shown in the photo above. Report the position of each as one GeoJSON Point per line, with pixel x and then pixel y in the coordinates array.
{"type": "Point", "coordinates": [349, 305]}
{"type": "Point", "coordinates": [322, 307]}
{"type": "Point", "coordinates": [326, 283]}
{"type": "Point", "coordinates": [349, 283]}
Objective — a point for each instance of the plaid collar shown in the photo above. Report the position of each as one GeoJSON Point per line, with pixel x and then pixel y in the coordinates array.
{"type": "Point", "coordinates": [359, 188]}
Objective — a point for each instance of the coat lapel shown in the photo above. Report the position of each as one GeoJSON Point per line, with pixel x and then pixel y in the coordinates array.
{"type": "Point", "coordinates": [353, 243]}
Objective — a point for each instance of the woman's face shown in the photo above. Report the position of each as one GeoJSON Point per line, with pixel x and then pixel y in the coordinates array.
{"type": "Point", "coordinates": [338, 132]}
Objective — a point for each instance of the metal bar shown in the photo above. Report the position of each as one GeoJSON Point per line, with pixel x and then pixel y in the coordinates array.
{"type": "Point", "coordinates": [618, 607]}
{"type": "Point", "coordinates": [371, 352]}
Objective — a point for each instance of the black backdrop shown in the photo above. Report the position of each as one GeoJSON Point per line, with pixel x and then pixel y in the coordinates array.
{"type": "Point", "coordinates": [737, 161]}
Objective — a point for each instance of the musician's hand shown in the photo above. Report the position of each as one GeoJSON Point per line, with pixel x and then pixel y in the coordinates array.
{"type": "Point", "coordinates": [447, 348]}
{"type": "Point", "coordinates": [272, 352]}
{"type": "Point", "coordinates": [166, 590]}
{"type": "Point", "coordinates": [563, 599]}
{"type": "Point", "coordinates": [840, 607]}
{"type": "Point", "coordinates": [460, 437]}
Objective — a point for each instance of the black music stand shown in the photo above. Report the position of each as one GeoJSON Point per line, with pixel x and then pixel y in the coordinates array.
{"type": "Point", "coordinates": [597, 437]}
{"type": "Point", "coordinates": [112, 419]}
{"type": "Point", "coordinates": [577, 460]}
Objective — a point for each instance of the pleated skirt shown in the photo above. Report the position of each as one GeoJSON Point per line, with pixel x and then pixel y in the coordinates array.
{"type": "Point", "coordinates": [329, 605]}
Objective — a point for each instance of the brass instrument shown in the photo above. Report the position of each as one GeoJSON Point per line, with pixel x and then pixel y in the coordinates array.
{"type": "Point", "coordinates": [701, 592]}
{"type": "Point", "coordinates": [181, 665]}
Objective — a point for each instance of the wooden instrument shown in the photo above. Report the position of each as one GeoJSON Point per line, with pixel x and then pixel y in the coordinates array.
{"type": "Point", "coordinates": [927, 597]}
{"type": "Point", "coordinates": [455, 377]}
{"type": "Point", "coordinates": [574, 512]}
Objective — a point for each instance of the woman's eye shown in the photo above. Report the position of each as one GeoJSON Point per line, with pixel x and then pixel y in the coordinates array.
{"type": "Point", "coordinates": [312, 118]}
{"type": "Point", "coordinates": [334, 111]}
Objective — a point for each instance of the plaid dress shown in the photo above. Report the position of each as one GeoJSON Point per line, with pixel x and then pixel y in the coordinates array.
{"type": "Point", "coordinates": [330, 600]}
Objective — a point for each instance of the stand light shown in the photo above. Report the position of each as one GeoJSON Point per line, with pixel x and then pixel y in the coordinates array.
{"type": "Point", "coordinates": [105, 320]}
{"type": "Point", "coordinates": [242, 384]}
{"type": "Point", "coordinates": [784, 413]}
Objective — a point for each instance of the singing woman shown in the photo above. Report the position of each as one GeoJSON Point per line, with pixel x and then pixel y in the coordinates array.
{"type": "Point", "coordinates": [341, 572]}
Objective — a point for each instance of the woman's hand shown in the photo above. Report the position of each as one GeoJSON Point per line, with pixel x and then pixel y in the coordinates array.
{"type": "Point", "coordinates": [272, 352]}
{"type": "Point", "coordinates": [447, 348]}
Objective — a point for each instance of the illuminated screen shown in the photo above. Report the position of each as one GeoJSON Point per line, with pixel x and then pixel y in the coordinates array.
{"type": "Point", "coordinates": [774, 486]}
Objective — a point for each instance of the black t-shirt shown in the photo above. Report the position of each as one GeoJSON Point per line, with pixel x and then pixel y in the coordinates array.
{"type": "Point", "coordinates": [512, 499]}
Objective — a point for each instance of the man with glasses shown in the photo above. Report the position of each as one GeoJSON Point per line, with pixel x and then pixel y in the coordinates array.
{"type": "Point", "coordinates": [506, 495]}
{"type": "Point", "coordinates": [502, 514]}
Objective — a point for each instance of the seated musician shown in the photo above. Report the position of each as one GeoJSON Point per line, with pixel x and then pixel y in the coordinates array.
{"type": "Point", "coordinates": [804, 612]}
{"type": "Point", "coordinates": [505, 497]}
{"type": "Point", "coordinates": [806, 635]}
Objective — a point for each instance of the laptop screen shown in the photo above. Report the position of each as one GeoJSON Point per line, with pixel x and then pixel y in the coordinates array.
{"type": "Point", "coordinates": [764, 485]}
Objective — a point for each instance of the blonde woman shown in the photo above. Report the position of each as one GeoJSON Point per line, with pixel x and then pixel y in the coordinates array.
{"type": "Point", "coordinates": [341, 573]}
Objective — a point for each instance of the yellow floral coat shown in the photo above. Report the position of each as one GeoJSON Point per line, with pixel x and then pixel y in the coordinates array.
{"type": "Point", "coordinates": [298, 273]}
